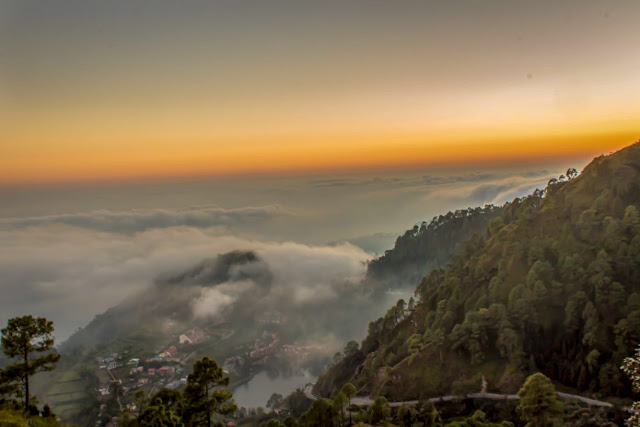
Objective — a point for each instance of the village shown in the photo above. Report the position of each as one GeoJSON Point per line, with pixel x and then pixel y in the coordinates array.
{"type": "Point", "coordinates": [165, 369]}
{"type": "Point", "coordinates": [169, 367]}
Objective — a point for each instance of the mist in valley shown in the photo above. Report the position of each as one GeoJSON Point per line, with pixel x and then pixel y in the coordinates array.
{"type": "Point", "coordinates": [92, 248]}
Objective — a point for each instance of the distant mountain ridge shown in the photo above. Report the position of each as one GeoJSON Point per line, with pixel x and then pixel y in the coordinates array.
{"type": "Point", "coordinates": [553, 284]}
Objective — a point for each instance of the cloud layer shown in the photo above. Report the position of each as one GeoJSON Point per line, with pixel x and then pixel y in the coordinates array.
{"type": "Point", "coordinates": [69, 274]}
{"type": "Point", "coordinates": [71, 266]}
{"type": "Point", "coordinates": [143, 219]}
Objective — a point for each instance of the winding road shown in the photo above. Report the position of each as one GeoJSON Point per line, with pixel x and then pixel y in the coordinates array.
{"type": "Point", "coordinates": [366, 401]}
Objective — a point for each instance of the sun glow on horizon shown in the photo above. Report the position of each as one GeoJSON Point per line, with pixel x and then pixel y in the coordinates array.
{"type": "Point", "coordinates": [206, 90]}
{"type": "Point", "coordinates": [312, 157]}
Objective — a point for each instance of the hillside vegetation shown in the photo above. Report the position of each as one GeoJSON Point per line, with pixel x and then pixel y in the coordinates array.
{"type": "Point", "coordinates": [553, 284]}
{"type": "Point", "coordinates": [430, 245]}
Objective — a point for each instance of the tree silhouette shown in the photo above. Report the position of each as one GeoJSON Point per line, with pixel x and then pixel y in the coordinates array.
{"type": "Point", "coordinates": [203, 395]}
{"type": "Point", "coordinates": [349, 390]}
{"type": "Point", "coordinates": [23, 337]}
{"type": "Point", "coordinates": [274, 401]}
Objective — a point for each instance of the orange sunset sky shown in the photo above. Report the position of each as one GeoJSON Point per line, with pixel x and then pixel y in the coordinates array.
{"type": "Point", "coordinates": [125, 89]}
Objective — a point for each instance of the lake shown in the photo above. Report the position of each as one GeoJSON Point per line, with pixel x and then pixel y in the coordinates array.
{"type": "Point", "coordinates": [258, 390]}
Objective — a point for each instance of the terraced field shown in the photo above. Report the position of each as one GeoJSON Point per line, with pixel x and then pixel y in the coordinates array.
{"type": "Point", "coordinates": [67, 396]}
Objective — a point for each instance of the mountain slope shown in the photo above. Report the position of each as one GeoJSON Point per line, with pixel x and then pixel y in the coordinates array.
{"type": "Point", "coordinates": [552, 285]}
{"type": "Point", "coordinates": [430, 245]}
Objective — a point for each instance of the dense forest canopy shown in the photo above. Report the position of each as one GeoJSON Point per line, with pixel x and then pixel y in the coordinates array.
{"type": "Point", "coordinates": [550, 285]}
{"type": "Point", "coordinates": [429, 245]}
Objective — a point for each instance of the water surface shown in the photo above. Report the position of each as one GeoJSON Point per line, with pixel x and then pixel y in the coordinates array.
{"type": "Point", "coordinates": [258, 390]}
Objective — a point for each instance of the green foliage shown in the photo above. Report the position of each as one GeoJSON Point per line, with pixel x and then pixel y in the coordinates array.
{"type": "Point", "coordinates": [379, 410]}
{"type": "Point", "coordinates": [428, 414]}
{"type": "Point", "coordinates": [405, 416]}
{"type": "Point", "coordinates": [15, 418]}
{"type": "Point", "coordinates": [202, 398]}
{"type": "Point", "coordinates": [581, 416]}
{"type": "Point", "coordinates": [296, 403]}
{"type": "Point", "coordinates": [274, 402]}
{"type": "Point", "coordinates": [203, 394]}
{"type": "Point", "coordinates": [478, 419]}
{"type": "Point", "coordinates": [321, 413]}
{"type": "Point", "coordinates": [539, 405]}
{"type": "Point", "coordinates": [23, 337]}
{"type": "Point", "coordinates": [340, 402]}
{"type": "Point", "coordinates": [350, 349]}
{"type": "Point", "coordinates": [273, 423]}
{"type": "Point", "coordinates": [165, 409]}
{"type": "Point", "coordinates": [552, 286]}
{"type": "Point", "coordinates": [431, 245]}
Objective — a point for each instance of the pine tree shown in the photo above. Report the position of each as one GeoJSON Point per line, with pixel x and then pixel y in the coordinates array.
{"type": "Point", "coordinates": [23, 337]}
{"type": "Point", "coordinates": [203, 395]}
{"type": "Point", "coordinates": [539, 406]}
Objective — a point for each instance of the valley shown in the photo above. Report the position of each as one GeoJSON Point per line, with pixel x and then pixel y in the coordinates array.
{"type": "Point", "coordinates": [434, 344]}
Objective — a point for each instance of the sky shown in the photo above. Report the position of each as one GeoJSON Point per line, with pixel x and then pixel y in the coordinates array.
{"type": "Point", "coordinates": [121, 90]}
{"type": "Point", "coordinates": [139, 137]}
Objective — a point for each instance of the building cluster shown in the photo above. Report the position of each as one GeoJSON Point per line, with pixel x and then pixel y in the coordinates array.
{"type": "Point", "coordinates": [192, 336]}
{"type": "Point", "coordinates": [112, 361]}
{"type": "Point", "coordinates": [232, 365]}
{"type": "Point", "coordinates": [168, 353]}
{"type": "Point", "coordinates": [157, 371]}
{"type": "Point", "coordinates": [300, 351]}
{"type": "Point", "coordinates": [262, 349]}
{"type": "Point", "coordinates": [273, 318]}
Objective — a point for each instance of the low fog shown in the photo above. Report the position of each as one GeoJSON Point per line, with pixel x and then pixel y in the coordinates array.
{"type": "Point", "coordinates": [71, 253]}
{"type": "Point", "coordinates": [74, 274]}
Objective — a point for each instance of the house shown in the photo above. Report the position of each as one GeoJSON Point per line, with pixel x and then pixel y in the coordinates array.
{"type": "Point", "coordinates": [133, 362]}
{"type": "Point", "coordinates": [170, 352]}
{"type": "Point", "coordinates": [112, 365]}
{"type": "Point", "coordinates": [265, 350]}
{"type": "Point", "coordinates": [165, 371]}
{"type": "Point", "coordinates": [192, 336]}
{"type": "Point", "coordinates": [151, 371]}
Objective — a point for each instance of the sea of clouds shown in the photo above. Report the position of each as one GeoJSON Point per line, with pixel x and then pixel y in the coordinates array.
{"type": "Point", "coordinates": [71, 264]}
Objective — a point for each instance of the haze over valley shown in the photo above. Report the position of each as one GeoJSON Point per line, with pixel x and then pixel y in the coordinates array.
{"type": "Point", "coordinates": [92, 247]}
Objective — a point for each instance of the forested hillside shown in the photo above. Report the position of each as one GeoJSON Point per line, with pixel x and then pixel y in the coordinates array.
{"type": "Point", "coordinates": [430, 245]}
{"type": "Point", "coordinates": [551, 285]}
